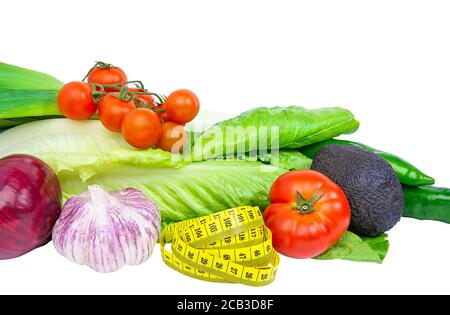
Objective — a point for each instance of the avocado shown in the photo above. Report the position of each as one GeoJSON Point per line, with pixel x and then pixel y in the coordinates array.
{"type": "Point", "coordinates": [370, 184]}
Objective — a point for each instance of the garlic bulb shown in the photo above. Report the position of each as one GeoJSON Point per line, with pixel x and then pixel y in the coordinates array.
{"type": "Point", "coordinates": [107, 230]}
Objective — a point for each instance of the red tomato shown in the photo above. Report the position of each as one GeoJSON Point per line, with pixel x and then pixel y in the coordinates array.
{"type": "Point", "coordinates": [182, 106]}
{"type": "Point", "coordinates": [141, 128]}
{"type": "Point", "coordinates": [107, 76]}
{"type": "Point", "coordinates": [111, 111]}
{"type": "Point", "coordinates": [132, 89]}
{"type": "Point", "coordinates": [309, 214]}
{"type": "Point", "coordinates": [75, 101]}
{"type": "Point", "coordinates": [161, 112]}
{"type": "Point", "coordinates": [147, 99]}
{"type": "Point", "coordinates": [173, 137]}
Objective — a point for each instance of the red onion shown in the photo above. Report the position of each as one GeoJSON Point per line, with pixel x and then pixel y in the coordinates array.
{"type": "Point", "coordinates": [30, 204]}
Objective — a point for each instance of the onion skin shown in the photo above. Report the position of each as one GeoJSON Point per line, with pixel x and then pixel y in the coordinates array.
{"type": "Point", "coordinates": [107, 230]}
{"type": "Point", "coordinates": [30, 204]}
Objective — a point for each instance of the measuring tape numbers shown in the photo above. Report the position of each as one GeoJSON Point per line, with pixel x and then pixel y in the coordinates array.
{"type": "Point", "coordinates": [229, 246]}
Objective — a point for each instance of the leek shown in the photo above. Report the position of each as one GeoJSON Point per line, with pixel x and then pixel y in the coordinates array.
{"type": "Point", "coordinates": [17, 78]}
{"type": "Point", "coordinates": [28, 103]}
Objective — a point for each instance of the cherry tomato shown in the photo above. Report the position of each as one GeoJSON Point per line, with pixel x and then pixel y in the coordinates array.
{"type": "Point", "coordinates": [107, 75]}
{"type": "Point", "coordinates": [309, 214]}
{"type": "Point", "coordinates": [147, 99]}
{"type": "Point", "coordinates": [132, 89]}
{"type": "Point", "coordinates": [75, 101]}
{"type": "Point", "coordinates": [112, 110]}
{"type": "Point", "coordinates": [173, 137]}
{"type": "Point", "coordinates": [162, 113]}
{"type": "Point", "coordinates": [182, 106]}
{"type": "Point", "coordinates": [141, 128]}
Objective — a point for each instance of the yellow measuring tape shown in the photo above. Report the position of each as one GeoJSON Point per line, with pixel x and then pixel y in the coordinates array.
{"type": "Point", "coordinates": [229, 246]}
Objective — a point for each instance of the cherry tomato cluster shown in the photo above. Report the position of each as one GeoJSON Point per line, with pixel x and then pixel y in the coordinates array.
{"type": "Point", "coordinates": [145, 119]}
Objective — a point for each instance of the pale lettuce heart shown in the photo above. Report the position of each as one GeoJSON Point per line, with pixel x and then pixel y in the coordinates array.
{"type": "Point", "coordinates": [79, 146]}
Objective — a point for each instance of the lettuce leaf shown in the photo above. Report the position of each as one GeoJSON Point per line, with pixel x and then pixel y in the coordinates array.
{"type": "Point", "coordinates": [183, 193]}
{"type": "Point", "coordinates": [379, 244]}
{"type": "Point", "coordinates": [360, 249]}
{"type": "Point", "coordinates": [279, 127]}
{"type": "Point", "coordinates": [288, 160]}
{"type": "Point", "coordinates": [285, 159]}
{"type": "Point", "coordinates": [79, 146]}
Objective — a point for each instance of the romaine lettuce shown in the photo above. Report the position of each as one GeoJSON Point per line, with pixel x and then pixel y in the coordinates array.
{"type": "Point", "coordinates": [285, 159]}
{"type": "Point", "coordinates": [183, 193]}
{"type": "Point", "coordinates": [84, 153]}
{"type": "Point", "coordinates": [264, 128]}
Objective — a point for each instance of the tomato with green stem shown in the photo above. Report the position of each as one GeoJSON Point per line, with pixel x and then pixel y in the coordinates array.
{"type": "Point", "coordinates": [75, 101]}
{"type": "Point", "coordinates": [106, 74]}
{"type": "Point", "coordinates": [112, 110]}
{"type": "Point", "coordinates": [182, 106]}
{"type": "Point", "coordinates": [142, 98]}
{"type": "Point", "coordinates": [141, 128]}
{"type": "Point", "coordinates": [173, 137]}
{"type": "Point", "coordinates": [146, 99]}
{"type": "Point", "coordinates": [309, 213]}
{"type": "Point", "coordinates": [160, 110]}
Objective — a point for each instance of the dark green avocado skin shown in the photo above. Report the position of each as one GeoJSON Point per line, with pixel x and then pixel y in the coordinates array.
{"type": "Point", "coordinates": [370, 184]}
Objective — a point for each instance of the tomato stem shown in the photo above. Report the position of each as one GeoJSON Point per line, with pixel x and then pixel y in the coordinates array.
{"type": "Point", "coordinates": [98, 64]}
{"type": "Point", "coordinates": [122, 92]}
{"type": "Point", "coordinates": [305, 206]}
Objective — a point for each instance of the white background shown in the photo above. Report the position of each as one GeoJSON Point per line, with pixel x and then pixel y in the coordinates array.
{"type": "Point", "coordinates": [387, 61]}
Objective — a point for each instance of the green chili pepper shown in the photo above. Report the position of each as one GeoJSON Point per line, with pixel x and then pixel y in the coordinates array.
{"type": "Point", "coordinates": [427, 203]}
{"type": "Point", "coordinates": [407, 173]}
